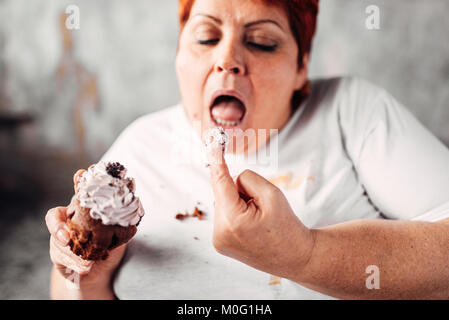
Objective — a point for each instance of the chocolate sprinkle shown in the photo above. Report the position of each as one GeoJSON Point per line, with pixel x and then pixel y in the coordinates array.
{"type": "Point", "coordinates": [114, 169]}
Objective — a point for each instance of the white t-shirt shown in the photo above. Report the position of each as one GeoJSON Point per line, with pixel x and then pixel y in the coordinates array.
{"type": "Point", "coordinates": [350, 151]}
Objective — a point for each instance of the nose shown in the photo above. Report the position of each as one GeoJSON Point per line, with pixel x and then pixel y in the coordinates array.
{"type": "Point", "coordinates": [230, 59]}
{"type": "Point", "coordinates": [222, 67]}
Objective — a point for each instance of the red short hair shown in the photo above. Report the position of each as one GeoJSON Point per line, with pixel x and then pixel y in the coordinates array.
{"type": "Point", "coordinates": [302, 15]}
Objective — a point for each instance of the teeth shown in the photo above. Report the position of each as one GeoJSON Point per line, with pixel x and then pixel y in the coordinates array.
{"type": "Point", "coordinates": [227, 123]}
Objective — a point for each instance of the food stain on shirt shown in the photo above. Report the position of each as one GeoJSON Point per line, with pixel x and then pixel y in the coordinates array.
{"type": "Point", "coordinates": [289, 182]}
{"type": "Point", "coordinates": [274, 280]}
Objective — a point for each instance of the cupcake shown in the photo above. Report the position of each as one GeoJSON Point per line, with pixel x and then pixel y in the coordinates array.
{"type": "Point", "coordinates": [104, 212]}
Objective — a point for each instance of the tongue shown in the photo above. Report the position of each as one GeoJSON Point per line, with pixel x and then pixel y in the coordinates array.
{"type": "Point", "coordinates": [228, 110]}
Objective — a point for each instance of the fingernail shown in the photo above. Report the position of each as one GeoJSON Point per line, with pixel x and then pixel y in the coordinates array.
{"type": "Point", "coordinates": [62, 236]}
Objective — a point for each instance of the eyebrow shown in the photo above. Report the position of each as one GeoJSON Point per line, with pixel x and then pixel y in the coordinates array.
{"type": "Point", "coordinates": [249, 24]}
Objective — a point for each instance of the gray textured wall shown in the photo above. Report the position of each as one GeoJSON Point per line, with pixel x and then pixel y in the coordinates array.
{"type": "Point", "coordinates": [125, 51]}
{"type": "Point", "coordinates": [409, 55]}
{"type": "Point", "coordinates": [120, 66]}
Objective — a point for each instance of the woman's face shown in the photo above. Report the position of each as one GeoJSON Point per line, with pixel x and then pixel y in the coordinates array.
{"type": "Point", "coordinates": [237, 66]}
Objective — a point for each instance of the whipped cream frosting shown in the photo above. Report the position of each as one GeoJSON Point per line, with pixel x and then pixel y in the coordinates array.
{"type": "Point", "coordinates": [109, 195]}
{"type": "Point", "coordinates": [216, 136]}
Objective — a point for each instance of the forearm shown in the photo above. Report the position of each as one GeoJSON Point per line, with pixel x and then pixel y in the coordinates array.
{"type": "Point", "coordinates": [412, 259]}
{"type": "Point", "coordinates": [63, 289]}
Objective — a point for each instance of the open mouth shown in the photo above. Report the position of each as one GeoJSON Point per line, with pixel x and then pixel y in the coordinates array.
{"type": "Point", "coordinates": [227, 111]}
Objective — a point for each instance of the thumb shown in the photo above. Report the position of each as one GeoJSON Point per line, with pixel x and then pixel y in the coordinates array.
{"type": "Point", "coordinates": [223, 186]}
{"type": "Point", "coordinates": [255, 186]}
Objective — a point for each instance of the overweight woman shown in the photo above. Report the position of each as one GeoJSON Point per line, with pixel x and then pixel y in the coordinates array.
{"type": "Point", "coordinates": [356, 205]}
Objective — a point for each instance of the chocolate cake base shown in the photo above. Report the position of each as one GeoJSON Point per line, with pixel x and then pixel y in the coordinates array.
{"type": "Point", "coordinates": [90, 238]}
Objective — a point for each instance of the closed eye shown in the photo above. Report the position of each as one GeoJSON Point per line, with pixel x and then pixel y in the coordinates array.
{"type": "Point", "coordinates": [262, 47]}
{"type": "Point", "coordinates": [207, 42]}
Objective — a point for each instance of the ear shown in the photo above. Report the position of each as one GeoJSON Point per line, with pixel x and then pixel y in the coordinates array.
{"type": "Point", "coordinates": [302, 74]}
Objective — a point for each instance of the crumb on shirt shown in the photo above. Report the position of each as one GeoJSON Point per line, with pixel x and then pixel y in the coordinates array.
{"type": "Point", "coordinates": [196, 213]}
{"type": "Point", "coordinates": [181, 216]}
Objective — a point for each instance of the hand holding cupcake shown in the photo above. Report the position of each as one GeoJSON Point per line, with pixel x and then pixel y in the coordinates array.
{"type": "Point", "coordinates": [89, 236]}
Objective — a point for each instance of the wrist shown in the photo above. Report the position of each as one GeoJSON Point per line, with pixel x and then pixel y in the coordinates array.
{"type": "Point", "coordinates": [103, 292]}
{"type": "Point", "coordinates": [100, 289]}
{"type": "Point", "coordinates": [83, 287]}
{"type": "Point", "coordinates": [300, 254]}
